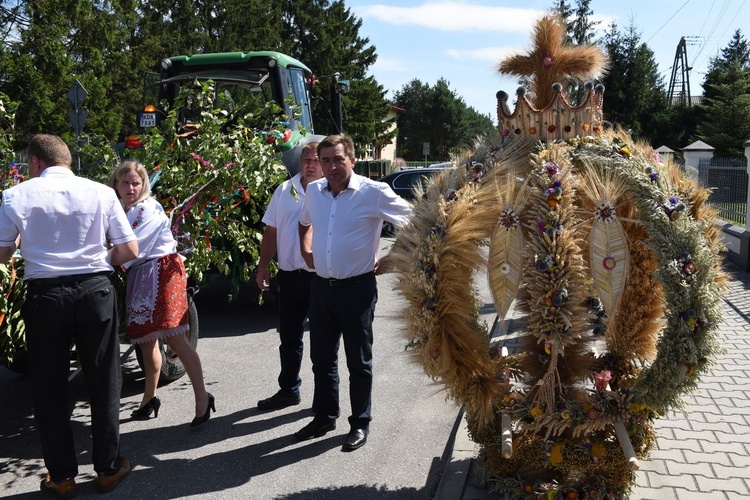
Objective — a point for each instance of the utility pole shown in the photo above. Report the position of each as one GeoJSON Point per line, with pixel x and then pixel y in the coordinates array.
{"type": "Point", "coordinates": [77, 94]}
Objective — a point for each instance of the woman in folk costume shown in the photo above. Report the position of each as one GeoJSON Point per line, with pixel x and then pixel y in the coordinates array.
{"type": "Point", "coordinates": [156, 302]}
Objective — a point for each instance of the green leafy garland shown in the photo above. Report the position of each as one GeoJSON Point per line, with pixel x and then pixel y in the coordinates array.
{"type": "Point", "coordinates": [12, 289]}
{"type": "Point", "coordinates": [214, 181]}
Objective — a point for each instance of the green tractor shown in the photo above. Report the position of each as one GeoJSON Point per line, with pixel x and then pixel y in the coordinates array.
{"type": "Point", "coordinates": [243, 81]}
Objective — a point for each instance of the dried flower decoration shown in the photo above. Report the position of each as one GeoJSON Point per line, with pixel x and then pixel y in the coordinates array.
{"type": "Point", "coordinates": [605, 212]}
{"type": "Point", "coordinates": [672, 207]}
{"type": "Point", "coordinates": [509, 219]}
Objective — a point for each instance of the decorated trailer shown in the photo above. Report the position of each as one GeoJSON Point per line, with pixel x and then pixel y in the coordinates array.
{"type": "Point", "coordinates": [243, 81]}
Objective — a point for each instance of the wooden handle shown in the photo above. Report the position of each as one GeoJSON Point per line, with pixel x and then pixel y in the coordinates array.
{"type": "Point", "coordinates": [507, 436]}
{"type": "Point", "coordinates": [627, 446]}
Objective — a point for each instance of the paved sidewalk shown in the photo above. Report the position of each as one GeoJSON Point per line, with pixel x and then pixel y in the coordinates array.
{"type": "Point", "coordinates": [702, 453]}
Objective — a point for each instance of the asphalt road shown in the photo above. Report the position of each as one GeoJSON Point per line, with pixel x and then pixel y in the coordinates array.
{"type": "Point", "coordinates": [242, 452]}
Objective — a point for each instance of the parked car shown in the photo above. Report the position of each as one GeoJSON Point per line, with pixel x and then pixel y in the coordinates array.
{"type": "Point", "coordinates": [403, 182]}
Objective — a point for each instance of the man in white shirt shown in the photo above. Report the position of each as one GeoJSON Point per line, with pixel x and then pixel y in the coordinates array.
{"type": "Point", "coordinates": [281, 237]}
{"type": "Point", "coordinates": [340, 227]}
{"type": "Point", "coordinates": [64, 225]}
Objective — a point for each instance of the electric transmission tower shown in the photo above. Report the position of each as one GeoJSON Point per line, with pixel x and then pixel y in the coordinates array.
{"type": "Point", "coordinates": [679, 84]}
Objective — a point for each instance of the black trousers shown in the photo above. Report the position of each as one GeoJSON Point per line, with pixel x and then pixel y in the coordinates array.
{"type": "Point", "coordinates": [84, 311]}
{"type": "Point", "coordinates": [342, 311]}
{"type": "Point", "coordinates": [294, 303]}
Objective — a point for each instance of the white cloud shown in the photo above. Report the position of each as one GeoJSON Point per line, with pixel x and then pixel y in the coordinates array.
{"type": "Point", "coordinates": [392, 65]}
{"type": "Point", "coordinates": [455, 16]}
{"type": "Point", "coordinates": [492, 54]}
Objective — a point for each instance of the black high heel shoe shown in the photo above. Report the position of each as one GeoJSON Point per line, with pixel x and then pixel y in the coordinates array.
{"type": "Point", "coordinates": [211, 407]}
{"type": "Point", "coordinates": [144, 411]}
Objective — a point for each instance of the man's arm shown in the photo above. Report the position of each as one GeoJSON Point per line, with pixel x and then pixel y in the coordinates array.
{"type": "Point", "coordinates": [305, 244]}
{"type": "Point", "coordinates": [267, 251]}
{"type": "Point", "coordinates": [123, 252]}
{"type": "Point", "coordinates": [7, 252]}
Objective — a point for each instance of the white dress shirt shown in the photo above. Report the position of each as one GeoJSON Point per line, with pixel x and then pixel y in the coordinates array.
{"type": "Point", "coordinates": [283, 214]}
{"type": "Point", "coordinates": [65, 222]}
{"type": "Point", "coordinates": [346, 228]}
{"type": "Point", "coordinates": [151, 226]}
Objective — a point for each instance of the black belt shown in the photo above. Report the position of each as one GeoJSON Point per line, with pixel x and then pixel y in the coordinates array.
{"type": "Point", "coordinates": [63, 280]}
{"type": "Point", "coordinates": [347, 281]}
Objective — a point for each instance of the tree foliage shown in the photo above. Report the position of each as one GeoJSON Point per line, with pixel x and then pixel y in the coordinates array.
{"type": "Point", "coordinates": [108, 45]}
{"type": "Point", "coordinates": [436, 115]}
{"type": "Point", "coordinates": [737, 50]}
{"type": "Point", "coordinates": [325, 35]}
{"type": "Point", "coordinates": [55, 43]}
{"type": "Point", "coordinates": [725, 123]}
{"type": "Point", "coordinates": [634, 94]}
{"type": "Point", "coordinates": [724, 111]}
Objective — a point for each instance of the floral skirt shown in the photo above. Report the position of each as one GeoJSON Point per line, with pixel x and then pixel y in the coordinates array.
{"type": "Point", "coordinates": [156, 302]}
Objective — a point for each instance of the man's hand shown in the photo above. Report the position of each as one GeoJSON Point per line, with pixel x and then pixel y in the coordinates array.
{"type": "Point", "coordinates": [305, 245]}
{"type": "Point", "coordinates": [263, 279]}
{"type": "Point", "coordinates": [267, 251]}
{"type": "Point", "coordinates": [123, 252]}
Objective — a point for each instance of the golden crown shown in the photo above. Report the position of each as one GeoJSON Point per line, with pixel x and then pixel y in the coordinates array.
{"type": "Point", "coordinates": [557, 120]}
{"type": "Point", "coordinates": [552, 61]}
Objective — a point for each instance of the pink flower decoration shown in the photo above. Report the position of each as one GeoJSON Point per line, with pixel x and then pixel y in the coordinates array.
{"type": "Point", "coordinates": [201, 160]}
{"type": "Point", "coordinates": [601, 379]}
{"type": "Point", "coordinates": [546, 61]}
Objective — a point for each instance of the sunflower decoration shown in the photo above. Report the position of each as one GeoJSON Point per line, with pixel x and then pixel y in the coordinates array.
{"type": "Point", "coordinates": [572, 224]}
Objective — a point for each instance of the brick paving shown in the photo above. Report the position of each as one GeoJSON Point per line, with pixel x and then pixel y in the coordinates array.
{"type": "Point", "coordinates": [703, 452]}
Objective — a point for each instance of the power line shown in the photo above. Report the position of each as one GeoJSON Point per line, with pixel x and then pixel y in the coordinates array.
{"type": "Point", "coordinates": [720, 16]}
{"type": "Point", "coordinates": [667, 21]}
{"type": "Point", "coordinates": [706, 18]}
{"type": "Point", "coordinates": [725, 31]}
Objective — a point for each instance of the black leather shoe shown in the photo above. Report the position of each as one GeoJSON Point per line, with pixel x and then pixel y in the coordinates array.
{"type": "Point", "coordinates": [278, 401]}
{"type": "Point", "coordinates": [314, 429]}
{"type": "Point", "coordinates": [356, 439]}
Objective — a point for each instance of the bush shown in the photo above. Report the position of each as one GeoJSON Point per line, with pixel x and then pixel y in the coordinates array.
{"type": "Point", "coordinates": [12, 289]}
{"type": "Point", "coordinates": [214, 178]}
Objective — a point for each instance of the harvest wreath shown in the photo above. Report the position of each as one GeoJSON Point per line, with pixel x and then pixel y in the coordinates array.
{"type": "Point", "coordinates": [570, 224]}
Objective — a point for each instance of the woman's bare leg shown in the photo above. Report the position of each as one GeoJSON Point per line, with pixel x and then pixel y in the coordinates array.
{"type": "Point", "coordinates": [152, 368]}
{"type": "Point", "coordinates": [192, 362]}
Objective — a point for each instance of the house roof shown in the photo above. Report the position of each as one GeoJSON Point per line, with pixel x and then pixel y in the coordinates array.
{"type": "Point", "coordinates": [698, 146]}
{"type": "Point", "coordinates": [665, 149]}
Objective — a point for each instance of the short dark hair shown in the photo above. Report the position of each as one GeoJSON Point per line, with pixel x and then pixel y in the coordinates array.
{"type": "Point", "coordinates": [50, 150]}
{"type": "Point", "coordinates": [310, 146]}
{"type": "Point", "coordinates": [334, 140]}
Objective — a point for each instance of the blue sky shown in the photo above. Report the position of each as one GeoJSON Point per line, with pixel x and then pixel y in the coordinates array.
{"type": "Point", "coordinates": [463, 41]}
